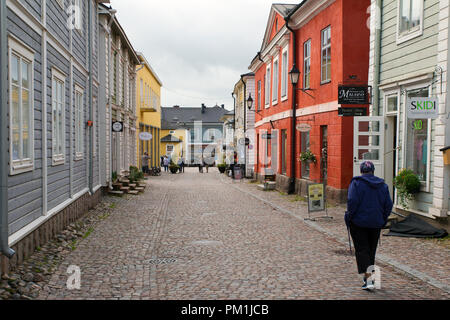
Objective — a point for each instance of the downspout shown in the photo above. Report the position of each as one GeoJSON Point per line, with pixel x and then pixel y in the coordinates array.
{"type": "Point", "coordinates": [377, 57]}
{"type": "Point", "coordinates": [91, 110]}
{"type": "Point", "coordinates": [110, 81]}
{"type": "Point", "coordinates": [294, 113]}
{"type": "Point", "coordinates": [234, 115]}
{"type": "Point", "coordinates": [245, 125]}
{"type": "Point", "coordinates": [4, 245]}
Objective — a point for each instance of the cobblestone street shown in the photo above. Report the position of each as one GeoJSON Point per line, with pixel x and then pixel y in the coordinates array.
{"type": "Point", "coordinates": [200, 236]}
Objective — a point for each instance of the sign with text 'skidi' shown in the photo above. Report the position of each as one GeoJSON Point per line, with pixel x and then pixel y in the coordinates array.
{"type": "Point", "coordinates": [422, 108]}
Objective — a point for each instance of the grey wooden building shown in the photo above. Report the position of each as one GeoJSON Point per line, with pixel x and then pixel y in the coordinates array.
{"type": "Point", "coordinates": [50, 162]}
{"type": "Point", "coordinates": [409, 59]}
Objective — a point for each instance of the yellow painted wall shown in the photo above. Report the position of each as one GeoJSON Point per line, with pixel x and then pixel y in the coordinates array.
{"type": "Point", "coordinates": [179, 148]}
{"type": "Point", "coordinates": [148, 98]}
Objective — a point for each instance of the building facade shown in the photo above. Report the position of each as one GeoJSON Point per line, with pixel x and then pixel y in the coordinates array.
{"type": "Point", "coordinates": [409, 52]}
{"type": "Point", "coordinates": [148, 97]}
{"type": "Point", "coordinates": [322, 42]}
{"type": "Point", "coordinates": [50, 103]}
{"type": "Point", "coordinates": [118, 62]}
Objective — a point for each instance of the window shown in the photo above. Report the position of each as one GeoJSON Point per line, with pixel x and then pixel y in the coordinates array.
{"type": "Point", "coordinates": [94, 127]}
{"type": "Point", "coordinates": [79, 120]}
{"type": "Point", "coordinates": [142, 93]}
{"type": "Point", "coordinates": [114, 97]}
{"type": "Point", "coordinates": [284, 73]}
{"type": "Point", "coordinates": [78, 15]}
{"type": "Point", "coordinates": [58, 115]}
{"type": "Point", "coordinates": [307, 64]}
{"type": "Point", "coordinates": [305, 145]}
{"type": "Point", "coordinates": [417, 141]}
{"type": "Point", "coordinates": [275, 82]}
{"type": "Point", "coordinates": [283, 151]}
{"type": "Point", "coordinates": [124, 81]}
{"type": "Point", "coordinates": [267, 95]}
{"type": "Point", "coordinates": [392, 104]}
{"type": "Point", "coordinates": [326, 55]}
{"type": "Point", "coordinates": [172, 131]}
{"type": "Point", "coordinates": [258, 105]}
{"type": "Point", "coordinates": [410, 19]}
{"type": "Point", "coordinates": [169, 149]}
{"type": "Point", "coordinates": [21, 108]}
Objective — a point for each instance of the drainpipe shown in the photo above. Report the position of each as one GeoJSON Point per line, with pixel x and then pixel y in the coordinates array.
{"type": "Point", "coordinates": [245, 124]}
{"type": "Point", "coordinates": [377, 57]}
{"type": "Point", "coordinates": [4, 140]}
{"type": "Point", "coordinates": [294, 113]}
{"type": "Point", "coordinates": [110, 80]}
{"type": "Point", "coordinates": [91, 111]}
{"type": "Point", "coordinates": [234, 116]}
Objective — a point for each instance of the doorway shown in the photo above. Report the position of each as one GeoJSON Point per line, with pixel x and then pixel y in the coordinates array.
{"type": "Point", "coordinates": [390, 157]}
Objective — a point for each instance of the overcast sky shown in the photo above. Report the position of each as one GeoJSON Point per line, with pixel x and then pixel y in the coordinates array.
{"type": "Point", "coordinates": [198, 48]}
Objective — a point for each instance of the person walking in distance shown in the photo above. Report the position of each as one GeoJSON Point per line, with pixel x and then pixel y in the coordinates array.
{"type": "Point", "coordinates": [145, 159]}
{"type": "Point", "coordinates": [369, 205]}
{"type": "Point", "coordinates": [166, 164]}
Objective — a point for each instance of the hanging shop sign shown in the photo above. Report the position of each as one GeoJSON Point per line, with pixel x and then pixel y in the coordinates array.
{"type": "Point", "coordinates": [353, 94]}
{"type": "Point", "coordinates": [316, 197]}
{"type": "Point", "coordinates": [352, 112]}
{"type": "Point", "coordinates": [422, 108]}
{"type": "Point", "coordinates": [117, 126]}
{"type": "Point", "coordinates": [145, 136]}
{"type": "Point", "coordinates": [303, 127]}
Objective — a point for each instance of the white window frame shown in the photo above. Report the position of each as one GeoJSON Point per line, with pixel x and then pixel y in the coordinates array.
{"type": "Point", "coordinates": [79, 124]}
{"type": "Point", "coordinates": [259, 104]}
{"type": "Point", "coordinates": [284, 74]}
{"type": "Point", "coordinates": [25, 53]}
{"type": "Point", "coordinates": [59, 158]}
{"type": "Point", "coordinates": [410, 34]}
{"type": "Point", "coordinates": [78, 15]}
{"type": "Point", "coordinates": [169, 145]}
{"type": "Point", "coordinates": [322, 47]}
{"type": "Point", "coordinates": [390, 94]}
{"type": "Point", "coordinates": [267, 89]}
{"type": "Point", "coordinates": [424, 185]}
{"type": "Point", "coordinates": [94, 126]}
{"type": "Point", "coordinates": [275, 80]}
{"type": "Point", "coordinates": [307, 59]}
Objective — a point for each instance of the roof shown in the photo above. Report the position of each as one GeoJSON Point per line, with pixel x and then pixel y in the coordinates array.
{"type": "Point", "coordinates": [174, 117]}
{"type": "Point", "coordinates": [170, 138]}
{"type": "Point", "coordinates": [283, 8]}
{"type": "Point", "coordinates": [145, 62]}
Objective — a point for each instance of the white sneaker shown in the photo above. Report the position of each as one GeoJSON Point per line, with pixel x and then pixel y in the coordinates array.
{"type": "Point", "coordinates": [368, 285]}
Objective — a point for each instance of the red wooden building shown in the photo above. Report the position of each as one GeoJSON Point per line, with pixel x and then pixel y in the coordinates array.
{"type": "Point", "coordinates": [329, 42]}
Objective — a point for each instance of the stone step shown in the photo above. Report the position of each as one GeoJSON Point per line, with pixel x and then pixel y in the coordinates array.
{"type": "Point", "coordinates": [140, 189]}
{"type": "Point", "coordinates": [134, 192]}
{"type": "Point", "coordinates": [125, 189]}
{"type": "Point", "coordinates": [267, 186]}
{"type": "Point", "coordinates": [115, 193]}
{"type": "Point", "coordinates": [132, 185]}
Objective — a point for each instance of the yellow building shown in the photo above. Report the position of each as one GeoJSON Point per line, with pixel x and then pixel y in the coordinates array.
{"type": "Point", "coordinates": [148, 110]}
{"type": "Point", "coordinates": [173, 142]}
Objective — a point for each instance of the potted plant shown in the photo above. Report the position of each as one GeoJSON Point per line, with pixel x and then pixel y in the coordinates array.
{"type": "Point", "coordinates": [173, 167]}
{"type": "Point", "coordinates": [222, 167]}
{"type": "Point", "coordinates": [407, 184]}
{"type": "Point", "coordinates": [307, 156]}
{"type": "Point", "coordinates": [114, 176]}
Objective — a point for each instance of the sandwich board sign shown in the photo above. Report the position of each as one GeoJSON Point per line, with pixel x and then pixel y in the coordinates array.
{"type": "Point", "coordinates": [422, 108]}
{"type": "Point", "coordinates": [316, 197]}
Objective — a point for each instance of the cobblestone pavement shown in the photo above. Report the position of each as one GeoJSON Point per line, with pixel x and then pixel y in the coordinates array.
{"type": "Point", "coordinates": [196, 236]}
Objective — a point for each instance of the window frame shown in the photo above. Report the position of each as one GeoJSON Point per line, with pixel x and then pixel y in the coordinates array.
{"type": "Point", "coordinates": [322, 48]}
{"type": "Point", "coordinates": [24, 53]}
{"type": "Point", "coordinates": [258, 105]}
{"type": "Point", "coordinates": [285, 74]}
{"type": "Point", "coordinates": [275, 80]}
{"type": "Point", "coordinates": [404, 36]}
{"type": "Point", "coordinates": [59, 158]}
{"type": "Point", "coordinates": [267, 86]}
{"type": "Point", "coordinates": [79, 124]}
{"type": "Point", "coordinates": [307, 59]}
{"type": "Point", "coordinates": [78, 3]}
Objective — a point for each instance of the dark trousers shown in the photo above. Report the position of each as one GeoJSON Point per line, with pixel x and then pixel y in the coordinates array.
{"type": "Point", "coordinates": [365, 241]}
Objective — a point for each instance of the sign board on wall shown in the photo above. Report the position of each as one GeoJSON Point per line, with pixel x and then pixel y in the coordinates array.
{"type": "Point", "coordinates": [145, 136]}
{"type": "Point", "coordinates": [117, 126]}
{"type": "Point", "coordinates": [353, 94]}
{"type": "Point", "coordinates": [422, 108]}
{"type": "Point", "coordinates": [352, 112]}
{"type": "Point", "coordinates": [303, 127]}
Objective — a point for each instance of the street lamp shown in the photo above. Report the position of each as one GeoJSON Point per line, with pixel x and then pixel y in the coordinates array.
{"type": "Point", "coordinates": [250, 102]}
{"type": "Point", "coordinates": [294, 74]}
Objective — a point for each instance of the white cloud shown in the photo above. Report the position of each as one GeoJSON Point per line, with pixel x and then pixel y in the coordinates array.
{"type": "Point", "coordinates": [198, 48]}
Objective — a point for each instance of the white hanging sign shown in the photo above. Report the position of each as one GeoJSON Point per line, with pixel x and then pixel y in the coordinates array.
{"type": "Point", "coordinates": [422, 108]}
{"type": "Point", "coordinates": [145, 136]}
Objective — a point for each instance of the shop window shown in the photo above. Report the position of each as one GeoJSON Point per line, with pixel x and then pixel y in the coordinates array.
{"type": "Point", "coordinates": [305, 145]}
{"type": "Point", "coordinates": [417, 141]}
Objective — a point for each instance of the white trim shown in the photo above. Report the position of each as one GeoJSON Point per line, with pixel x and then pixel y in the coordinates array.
{"type": "Point", "coordinates": [275, 73]}
{"type": "Point", "coordinates": [411, 34]}
{"type": "Point", "coordinates": [387, 95]}
{"type": "Point", "coordinates": [79, 155]}
{"type": "Point", "coordinates": [267, 90]}
{"type": "Point", "coordinates": [286, 83]}
{"type": "Point", "coordinates": [25, 164]}
{"type": "Point", "coordinates": [29, 228]}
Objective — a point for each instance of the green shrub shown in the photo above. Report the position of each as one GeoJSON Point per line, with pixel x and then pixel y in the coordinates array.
{"type": "Point", "coordinates": [407, 184]}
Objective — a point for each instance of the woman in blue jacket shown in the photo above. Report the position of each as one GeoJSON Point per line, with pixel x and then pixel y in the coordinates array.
{"type": "Point", "coordinates": [369, 205]}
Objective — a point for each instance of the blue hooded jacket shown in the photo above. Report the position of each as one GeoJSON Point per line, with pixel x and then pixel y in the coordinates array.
{"type": "Point", "coordinates": [369, 203]}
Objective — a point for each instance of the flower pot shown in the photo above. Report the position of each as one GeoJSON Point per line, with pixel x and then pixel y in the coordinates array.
{"type": "Point", "coordinates": [221, 169]}
{"type": "Point", "coordinates": [173, 170]}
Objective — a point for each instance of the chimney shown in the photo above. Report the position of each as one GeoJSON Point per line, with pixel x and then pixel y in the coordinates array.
{"type": "Point", "coordinates": [223, 106]}
{"type": "Point", "coordinates": [176, 106]}
{"type": "Point", "coordinates": [203, 108]}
